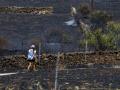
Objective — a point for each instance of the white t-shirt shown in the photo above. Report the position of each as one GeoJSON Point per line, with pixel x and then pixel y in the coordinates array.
{"type": "Point", "coordinates": [31, 54]}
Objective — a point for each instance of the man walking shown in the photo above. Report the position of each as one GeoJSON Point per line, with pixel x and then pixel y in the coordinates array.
{"type": "Point", "coordinates": [31, 58]}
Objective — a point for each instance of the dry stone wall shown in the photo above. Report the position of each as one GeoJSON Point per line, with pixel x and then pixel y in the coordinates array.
{"type": "Point", "coordinates": [73, 59]}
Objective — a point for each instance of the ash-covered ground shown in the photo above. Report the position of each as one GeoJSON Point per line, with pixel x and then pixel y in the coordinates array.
{"type": "Point", "coordinates": [72, 75]}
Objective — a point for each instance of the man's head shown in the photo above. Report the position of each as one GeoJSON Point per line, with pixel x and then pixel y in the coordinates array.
{"type": "Point", "coordinates": [32, 46]}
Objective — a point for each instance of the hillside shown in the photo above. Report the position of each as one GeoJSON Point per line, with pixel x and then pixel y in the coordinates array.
{"type": "Point", "coordinates": [63, 6]}
{"type": "Point", "coordinates": [20, 29]}
{"type": "Point", "coordinates": [24, 27]}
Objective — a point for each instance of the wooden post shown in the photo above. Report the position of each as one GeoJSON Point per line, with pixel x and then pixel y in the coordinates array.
{"type": "Point", "coordinates": [39, 56]}
{"type": "Point", "coordinates": [86, 49]}
{"type": "Point", "coordinates": [56, 73]}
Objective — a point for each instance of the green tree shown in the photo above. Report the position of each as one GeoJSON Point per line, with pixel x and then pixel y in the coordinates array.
{"type": "Point", "coordinates": [114, 29]}
{"type": "Point", "coordinates": [103, 40]}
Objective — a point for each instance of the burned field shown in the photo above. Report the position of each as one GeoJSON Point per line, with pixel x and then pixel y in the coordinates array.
{"type": "Point", "coordinates": [73, 72]}
{"type": "Point", "coordinates": [88, 78]}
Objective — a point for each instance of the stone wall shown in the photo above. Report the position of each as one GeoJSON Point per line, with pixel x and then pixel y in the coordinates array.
{"type": "Point", "coordinates": [63, 6]}
{"type": "Point", "coordinates": [66, 60]}
{"type": "Point", "coordinates": [25, 10]}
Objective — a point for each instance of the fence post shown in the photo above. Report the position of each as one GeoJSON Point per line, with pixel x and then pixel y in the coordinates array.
{"type": "Point", "coordinates": [39, 52]}
{"type": "Point", "coordinates": [56, 72]}
{"type": "Point", "coordinates": [86, 49]}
